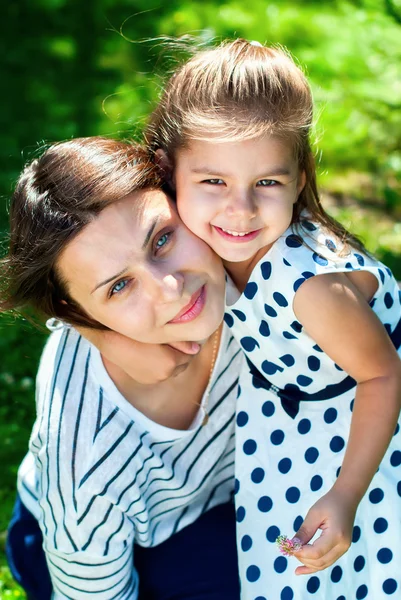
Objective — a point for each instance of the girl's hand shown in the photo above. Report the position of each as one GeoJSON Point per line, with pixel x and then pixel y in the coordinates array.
{"type": "Point", "coordinates": [147, 364]}
{"type": "Point", "coordinates": [334, 514]}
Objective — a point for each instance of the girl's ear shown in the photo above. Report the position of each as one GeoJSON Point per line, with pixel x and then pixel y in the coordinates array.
{"type": "Point", "coordinates": [163, 161]}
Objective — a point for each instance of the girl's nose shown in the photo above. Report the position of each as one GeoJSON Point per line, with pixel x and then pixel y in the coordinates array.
{"type": "Point", "coordinates": [241, 205]}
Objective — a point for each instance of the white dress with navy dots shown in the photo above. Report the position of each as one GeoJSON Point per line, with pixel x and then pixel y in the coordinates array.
{"type": "Point", "coordinates": [293, 419]}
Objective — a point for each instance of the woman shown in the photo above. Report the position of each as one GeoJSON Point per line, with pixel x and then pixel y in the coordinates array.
{"type": "Point", "coordinates": [97, 243]}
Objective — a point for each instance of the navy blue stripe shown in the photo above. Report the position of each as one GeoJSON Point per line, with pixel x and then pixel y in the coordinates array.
{"type": "Point", "coordinates": [178, 521]}
{"type": "Point", "coordinates": [86, 591]}
{"type": "Point", "coordinates": [76, 432]}
{"type": "Point", "coordinates": [99, 413]}
{"type": "Point", "coordinates": [224, 371]}
{"type": "Point", "coordinates": [104, 520]}
{"type": "Point", "coordinates": [129, 560]}
{"type": "Point", "coordinates": [115, 476]}
{"type": "Point", "coordinates": [66, 558]}
{"type": "Point", "coordinates": [106, 455]}
{"type": "Point", "coordinates": [48, 438]}
{"type": "Point", "coordinates": [107, 546]}
{"type": "Point", "coordinates": [213, 492]}
{"type": "Point", "coordinates": [60, 420]}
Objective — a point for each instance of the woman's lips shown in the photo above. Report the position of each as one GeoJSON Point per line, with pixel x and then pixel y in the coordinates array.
{"type": "Point", "coordinates": [194, 307]}
{"type": "Point", "coordinates": [240, 238]}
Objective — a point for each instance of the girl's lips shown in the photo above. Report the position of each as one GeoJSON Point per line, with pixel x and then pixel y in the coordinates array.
{"type": "Point", "coordinates": [237, 239]}
{"type": "Point", "coordinates": [194, 307]}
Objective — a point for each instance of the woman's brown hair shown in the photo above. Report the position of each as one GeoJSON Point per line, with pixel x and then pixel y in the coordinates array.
{"type": "Point", "coordinates": [241, 90]}
{"type": "Point", "coordinates": [56, 196]}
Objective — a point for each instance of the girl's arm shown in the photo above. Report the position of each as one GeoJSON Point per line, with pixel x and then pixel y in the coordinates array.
{"type": "Point", "coordinates": [147, 364]}
{"type": "Point", "coordinates": [336, 314]}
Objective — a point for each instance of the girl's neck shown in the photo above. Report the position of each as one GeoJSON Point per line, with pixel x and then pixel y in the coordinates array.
{"type": "Point", "coordinates": [240, 272]}
{"type": "Point", "coordinates": [174, 402]}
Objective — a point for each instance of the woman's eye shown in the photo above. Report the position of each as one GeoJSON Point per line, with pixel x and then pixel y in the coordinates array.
{"type": "Point", "coordinates": [267, 182]}
{"type": "Point", "coordinates": [118, 287]}
{"type": "Point", "coordinates": [163, 240]}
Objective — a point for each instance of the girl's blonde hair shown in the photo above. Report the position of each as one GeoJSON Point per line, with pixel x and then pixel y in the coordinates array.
{"type": "Point", "coordinates": [241, 90]}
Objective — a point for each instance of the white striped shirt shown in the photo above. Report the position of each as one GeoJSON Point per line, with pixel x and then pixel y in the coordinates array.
{"type": "Point", "coordinates": [100, 475]}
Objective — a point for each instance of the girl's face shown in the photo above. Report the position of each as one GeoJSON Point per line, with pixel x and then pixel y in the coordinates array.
{"type": "Point", "coordinates": [237, 196]}
{"type": "Point", "coordinates": [138, 270]}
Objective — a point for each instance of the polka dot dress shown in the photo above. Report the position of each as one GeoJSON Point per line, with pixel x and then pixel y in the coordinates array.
{"type": "Point", "coordinates": [293, 418]}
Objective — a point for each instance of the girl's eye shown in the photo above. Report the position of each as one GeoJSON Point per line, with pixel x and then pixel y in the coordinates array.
{"type": "Point", "coordinates": [213, 181]}
{"type": "Point", "coordinates": [267, 182]}
{"type": "Point", "coordinates": [118, 287]}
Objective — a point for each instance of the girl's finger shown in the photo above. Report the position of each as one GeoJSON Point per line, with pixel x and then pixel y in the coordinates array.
{"type": "Point", "coordinates": [321, 563]}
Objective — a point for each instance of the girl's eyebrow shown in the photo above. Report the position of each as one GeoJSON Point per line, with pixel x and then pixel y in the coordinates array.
{"type": "Point", "coordinates": [273, 172]}
{"type": "Point", "coordinates": [145, 243]}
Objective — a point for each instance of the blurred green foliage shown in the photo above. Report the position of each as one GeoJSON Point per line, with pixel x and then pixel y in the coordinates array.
{"type": "Point", "coordinates": [72, 68]}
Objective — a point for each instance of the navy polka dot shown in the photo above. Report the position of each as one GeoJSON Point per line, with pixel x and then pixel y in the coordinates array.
{"type": "Point", "coordinates": [293, 241]}
{"type": "Point", "coordinates": [250, 290]}
{"type": "Point", "coordinates": [240, 514]}
{"type": "Point", "coordinates": [337, 444]}
{"type": "Point", "coordinates": [397, 428]}
{"type": "Point", "coordinates": [389, 586]}
{"type": "Point", "coordinates": [270, 311]}
{"type": "Point", "coordinates": [376, 496]}
{"type": "Point", "coordinates": [280, 564]}
{"type": "Point", "coordinates": [270, 368]}
{"type": "Point", "coordinates": [289, 336]}
{"type": "Point", "coordinates": [317, 348]}
{"type": "Point", "coordinates": [313, 363]}
{"type": "Point", "coordinates": [249, 447]}
{"type": "Point", "coordinates": [307, 274]}
{"type": "Point", "coordinates": [351, 406]}
{"type": "Point", "coordinates": [330, 415]}
{"type": "Point", "coordinates": [336, 574]}
{"type": "Point", "coordinates": [272, 533]}
{"type": "Point", "coordinates": [288, 360]}
{"type": "Point", "coordinates": [266, 269]}
{"type": "Point", "coordinates": [356, 534]}
{"type": "Point", "coordinates": [304, 380]}
{"type": "Point", "coordinates": [348, 265]}
{"type": "Point", "coordinates": [304, 426]}
{"type": "Point", "coordinates": [279, 299]}
{"type": "Point", "coordinates": [286, 593]}
{"type": "Point", "coordinates": [360, 259]}
{"type": "Point", "coordinates": [296, 326]}
{"type": "Point", "coordinates": [399, 488]}
{"type": "Point", "coordinates": [330, 245]}
{"type": "Point", "coordinates": [309, 226]}
{"type": "Point", "coordinates": [252, 573]}
{"type": "Point", "coordinates": [382, 275]}
{"type": "Point", "coordinates": [268, 408]}
{"type": "Point", "coordinates": [338, 471]}
{"type": "Point", "coordinates": [359, 563]}
{"type": "Point", "coordinates": [284, 465]}
{"type": "Point", "coordinates": [287, 264]}
{"type": "Point", "coordinates": [236, 486]}
{"type": "Point", "coordinates": [313, 585]}
{"type": "Point", "coordinates": [242, 418]}
{"type": "Point", "coordinates": [260, 598]}
{"type": "Point", "coordinates": [395, 459]}
{"type": "Point", "coordinates": [265, 504]}
{"type": "Point", "coordinates": [311, 455]}
{"type": "Point", "coordinates": [239, 314]}
{"type": "Point", "coordinates": [228, 320]}
{"type": "Point", "coordinates": [297, 523]}
{"type": "Point", "coordinates": [380, 525]}
{"type": "Point", "coordinates": [246, 543]}
{"type": "Point", "coordinates": [320, 260]}
{"type": "Point", "coordinates": [277, 437]}
{"type": "Point", "coordinates": [292, 495]}
{"type": "Point", "coordinates": [249, 343]}
{"type": "Point", "coordinates": [361, 592]}
{"type": "Point", "coordinates": [384, 556]}
{"type": "Point", "coordinates": [388, 300]}
{"type": "Point", "coordinates": [264, 329]}
{"type": "Point", "coordinates": [316, 483]}
{"type": "Point", "coordinates": [338, 367]}
{"type": "Point", "coordinates": [257, 475]}
{"type": "Point", "coordinates": [298, 283]}
{"type": "Point", "coordinates": [341, 598]}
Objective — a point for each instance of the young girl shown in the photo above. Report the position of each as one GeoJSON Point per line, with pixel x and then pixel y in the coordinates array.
{"type": "Point", "coordinates": [318, 446]}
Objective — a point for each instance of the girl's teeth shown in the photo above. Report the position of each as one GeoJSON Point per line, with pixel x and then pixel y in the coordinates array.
{"type": "Point", "coordinates": [235, 233]}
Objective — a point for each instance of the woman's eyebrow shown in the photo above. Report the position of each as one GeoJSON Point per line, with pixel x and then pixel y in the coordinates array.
{"type": "Point", "coordinates": [149, 234]}
{"type": "Point", "coordinates": [102, 283]}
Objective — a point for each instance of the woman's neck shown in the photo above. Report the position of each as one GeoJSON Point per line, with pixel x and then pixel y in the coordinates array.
{"type": "Point", "coordinates": [174, 402]}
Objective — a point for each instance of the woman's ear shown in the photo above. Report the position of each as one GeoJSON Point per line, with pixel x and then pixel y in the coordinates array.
{"type": "Point", "coordinates": [165, 164]}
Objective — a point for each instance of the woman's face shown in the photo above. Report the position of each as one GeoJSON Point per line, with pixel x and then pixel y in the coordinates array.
{"type": "Point", "coordinates": [138, 270]}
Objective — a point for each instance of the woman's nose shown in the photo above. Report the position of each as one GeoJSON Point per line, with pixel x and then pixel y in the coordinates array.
{"type": "Point", "coordinates": [166, 287]}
